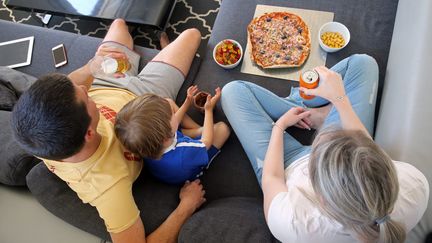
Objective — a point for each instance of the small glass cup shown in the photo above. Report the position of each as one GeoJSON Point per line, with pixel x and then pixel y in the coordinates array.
{"type": "Point", "coordinates": [108, 66]}
{"type": "Point", "coordinates": [200, 99]}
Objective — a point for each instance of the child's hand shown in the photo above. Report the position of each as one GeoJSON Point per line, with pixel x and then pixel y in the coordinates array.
{"type": "Point", "coordinates": [191, 92]}
{"type": "Point", "coordinates": [212, 101]}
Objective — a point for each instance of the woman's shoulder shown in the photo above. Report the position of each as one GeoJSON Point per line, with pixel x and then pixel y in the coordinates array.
{"type": "Point", "coordinates": [413, 195]}
{"type": "Point", "coordinates": [410, 178]}
{"type": "Point", "coordinates": [294, 217]}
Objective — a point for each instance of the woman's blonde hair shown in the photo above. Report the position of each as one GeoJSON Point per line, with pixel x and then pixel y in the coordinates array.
{"type": "Point", "coordinates": [143, 124]}
{"type": "Point", "coordinates": [357, 184]}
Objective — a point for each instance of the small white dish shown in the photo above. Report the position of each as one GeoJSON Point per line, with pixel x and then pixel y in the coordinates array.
{"type": "Point", "coordinates": [334, 27]}
{"type": "Point", "coordinates": [228, 66]}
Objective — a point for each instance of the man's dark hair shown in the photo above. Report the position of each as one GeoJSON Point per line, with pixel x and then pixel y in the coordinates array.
{"type": "Point", "coordinates": [48, 121]}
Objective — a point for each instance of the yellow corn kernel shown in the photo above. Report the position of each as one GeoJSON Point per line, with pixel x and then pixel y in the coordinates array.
{"type": "Point", "coordinates": [333, 39]}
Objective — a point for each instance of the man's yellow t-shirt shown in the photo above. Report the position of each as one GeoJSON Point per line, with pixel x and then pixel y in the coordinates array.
{"type": "Point", "coordinates": [105, 179]}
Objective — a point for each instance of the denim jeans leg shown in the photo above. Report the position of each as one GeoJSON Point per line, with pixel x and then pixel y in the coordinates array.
{"type": "Point", "coordinates": [360, 75]}
{"type": "Point", "coordinates": [251, 110]}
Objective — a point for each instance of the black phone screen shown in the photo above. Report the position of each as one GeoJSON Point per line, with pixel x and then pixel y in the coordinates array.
{"type": "Point", "coordinates": [59, 55]}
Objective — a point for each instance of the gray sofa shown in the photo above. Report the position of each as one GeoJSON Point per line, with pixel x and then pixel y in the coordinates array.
{"type": "Point", "coordinates": [154, 199]}
{"type": "Point", "coordinates": [233, 212]}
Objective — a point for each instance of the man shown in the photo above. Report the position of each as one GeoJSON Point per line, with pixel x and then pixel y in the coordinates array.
{"type": "Point", "coordinates": [69, 122]}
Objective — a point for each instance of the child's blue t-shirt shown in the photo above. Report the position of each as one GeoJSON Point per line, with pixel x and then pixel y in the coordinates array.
{"type": "Point", "coordinates": [183, 160]}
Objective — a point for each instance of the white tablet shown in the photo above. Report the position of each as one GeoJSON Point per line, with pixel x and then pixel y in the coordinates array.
{"type": "Point", "coordinates": [16, 53]}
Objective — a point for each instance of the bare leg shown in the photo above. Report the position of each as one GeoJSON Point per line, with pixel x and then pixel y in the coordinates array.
{"type": "Point", "coordinates": [181, 51]}
{"type": "Point", "coordinates": [318, 115]}
{"type": "Point", "coordinates": [192, 132]}
{"type": "Point", "coordinates": [187, 122]}
{"type": "Point", "coordinates": [119, 33]}
{"type": "Point", "coordinates": [164, 41]}
{"type": "Point", "coordinates": [221, 132]}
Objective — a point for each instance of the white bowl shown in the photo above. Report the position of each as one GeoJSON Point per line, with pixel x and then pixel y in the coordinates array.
{"type": "Point", "coordinates": [229, 66]}
{"type": "Point", "coordinates": [334, 27]}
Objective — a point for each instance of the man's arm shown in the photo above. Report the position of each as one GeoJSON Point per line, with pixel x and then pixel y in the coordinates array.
{"type": "Point", "coordinates": [82, 76]}
{"type": "Point", "coordinates": [191, 198]}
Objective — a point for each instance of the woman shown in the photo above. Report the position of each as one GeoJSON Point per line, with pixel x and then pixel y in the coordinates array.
{"type": "Point", "coordinates": [342, 189]}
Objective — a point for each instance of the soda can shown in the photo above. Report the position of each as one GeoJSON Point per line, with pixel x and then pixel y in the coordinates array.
{"type": "Point", "coordinates": [308, 79]}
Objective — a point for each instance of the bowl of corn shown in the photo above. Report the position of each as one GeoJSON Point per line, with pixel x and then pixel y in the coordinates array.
{"type": "Point", "coordinates": [333, 36]}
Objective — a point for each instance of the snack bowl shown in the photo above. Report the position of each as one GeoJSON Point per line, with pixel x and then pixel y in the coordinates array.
{"type": "Point", "coordinates": [333, 27]}
{"type": "Point", "coordinates": [228, 53]}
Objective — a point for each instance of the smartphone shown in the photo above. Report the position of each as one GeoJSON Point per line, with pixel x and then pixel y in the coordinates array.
{"type": "Point", "coordinates": [59, 55]}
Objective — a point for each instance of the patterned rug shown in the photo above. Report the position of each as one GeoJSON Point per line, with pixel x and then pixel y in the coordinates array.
{"type": "Point", "coordinates": [199, 14]}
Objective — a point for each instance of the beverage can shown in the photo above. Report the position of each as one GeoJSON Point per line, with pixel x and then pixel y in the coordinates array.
{"type": "Point", "coordinates": [308, 79]}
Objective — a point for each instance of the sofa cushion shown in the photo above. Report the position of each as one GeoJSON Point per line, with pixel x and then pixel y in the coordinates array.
{"type": "Point", "coordinates": [235, 219]}
{"type": "Point", "coordinates": [15, 163]}
{"type": "Point", "coordinates": [8, 97]}
{"type": "Point", "coordinates": [12, 84]}
{"type": "Point", "coordinates": [17, 80]}
{"type": "Point", "coordinates": [155, 200]}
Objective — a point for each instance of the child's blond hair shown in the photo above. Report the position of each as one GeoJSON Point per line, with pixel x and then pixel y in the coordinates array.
{"type": "Point", "coordinates": [143, 124]}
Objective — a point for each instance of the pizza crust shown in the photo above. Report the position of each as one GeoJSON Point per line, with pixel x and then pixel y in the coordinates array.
{"type": "Point", "coordinates": [276, 35]}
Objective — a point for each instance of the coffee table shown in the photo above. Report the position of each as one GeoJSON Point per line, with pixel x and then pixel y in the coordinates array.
{"type": "Point", "coordinates": [153, 13]}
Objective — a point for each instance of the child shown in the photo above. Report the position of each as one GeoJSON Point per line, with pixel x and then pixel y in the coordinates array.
{"type": "Point", "coordinates": [149, 126]}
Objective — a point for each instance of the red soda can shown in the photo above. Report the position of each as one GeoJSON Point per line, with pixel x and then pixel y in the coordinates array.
{"type": "Point", "coordinates": [308, 79]}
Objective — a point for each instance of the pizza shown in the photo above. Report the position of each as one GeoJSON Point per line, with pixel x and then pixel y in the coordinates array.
{"type": "Point", "coordinates": [279, 40]}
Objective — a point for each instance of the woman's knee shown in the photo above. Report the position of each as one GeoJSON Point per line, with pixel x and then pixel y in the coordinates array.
{"type": "Point", "coordinates": [232, 88]}
{"type": "Point", "coordinates": [364, 62]}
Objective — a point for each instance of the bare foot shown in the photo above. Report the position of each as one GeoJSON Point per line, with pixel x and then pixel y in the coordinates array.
{"type": "Point", "coordinates": [163, 40]}
{"type": "Point", "coordinates": [318, 115]}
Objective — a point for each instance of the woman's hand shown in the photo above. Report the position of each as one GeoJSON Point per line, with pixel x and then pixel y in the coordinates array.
{"type": "Point", "coordinates": [294, 116]}
{"type": "Point", "coordinates": [330, 87]}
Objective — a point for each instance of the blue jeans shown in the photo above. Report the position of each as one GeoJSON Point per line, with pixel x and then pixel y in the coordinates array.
{"type": "Point", "coordinates": [251, 109]}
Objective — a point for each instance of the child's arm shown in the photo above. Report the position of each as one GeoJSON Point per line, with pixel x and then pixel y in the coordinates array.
{"type": "Point", "coordinates": [207, 134]}
{"type": "Point", "coordinates": [179, 114]}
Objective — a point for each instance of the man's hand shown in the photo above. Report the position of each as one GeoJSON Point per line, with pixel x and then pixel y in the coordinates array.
{"type": "Point", "coordinates": [192, 195]}
{"type": "Point", "coordinates": [212, 101]}
{"type": "Point", "coordinates": [106, 50]}
{"type": "Point", "coordinates": [294, 116]}
{"type": "Point", "coordinates": [113, 52]}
